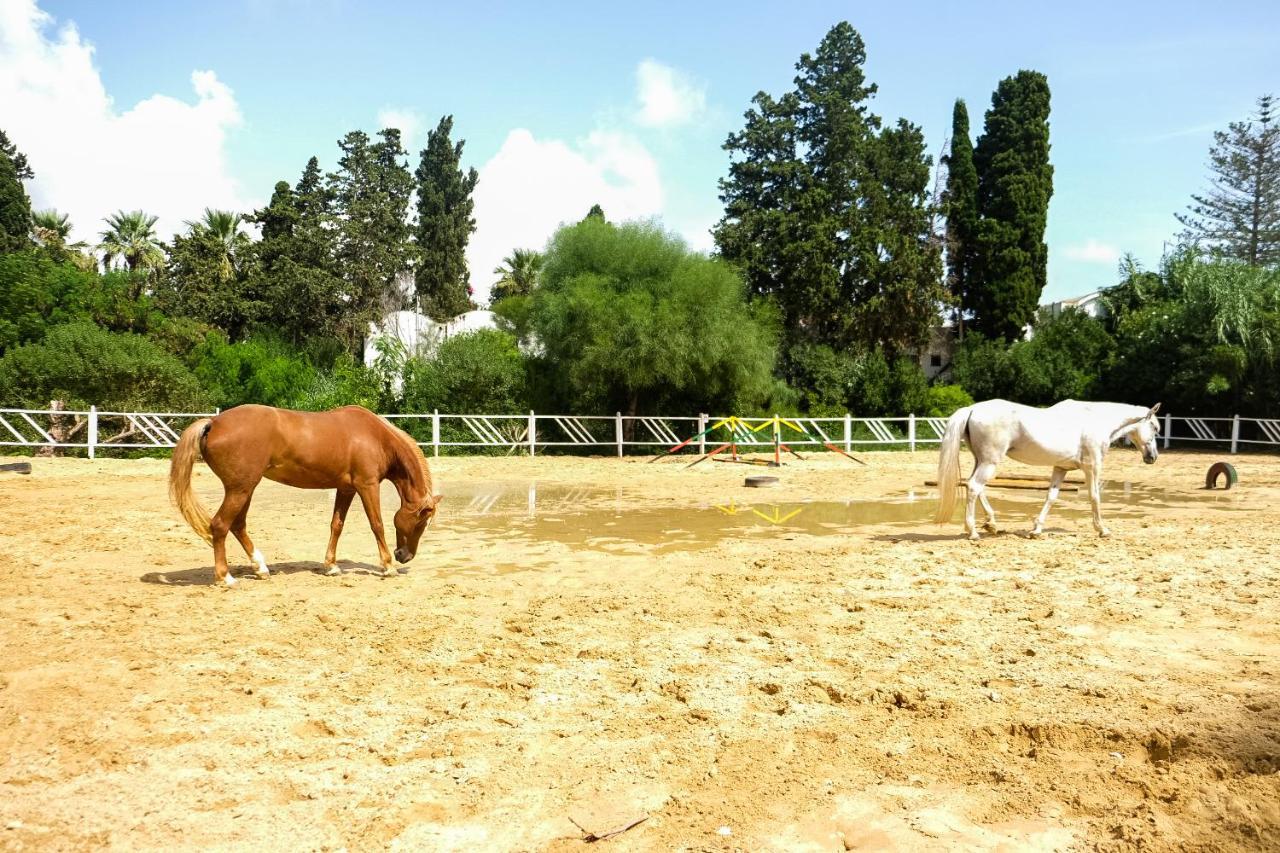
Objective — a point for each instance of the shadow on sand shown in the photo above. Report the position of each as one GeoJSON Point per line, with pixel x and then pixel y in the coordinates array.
{"type": "Point", "coordinates": [203, 575]}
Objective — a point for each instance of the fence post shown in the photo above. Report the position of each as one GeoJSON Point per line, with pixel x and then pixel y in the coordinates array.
{"type": "Point", "coordinates": [911, 432]}
{"type": "Point", "coordinates": [702, 434]}
{"type": "Point", "coordinates": [848, 433]}
{"type": "Point", "coordinates": [435, 432]}
{"type": "Point", "coordinates": [1235, 432]}
{"type": "Point", "coordinates": [1168, 429]}
{"type": "Point", "coordinates": [93, 429]}
{"type": "Point", "coordinates": [617, 432]}
{"type": "Point", "coordinates": [533, 432]}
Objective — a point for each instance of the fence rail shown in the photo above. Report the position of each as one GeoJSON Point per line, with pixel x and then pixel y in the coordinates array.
{"type": "Point", "coordinates": [94, 431]}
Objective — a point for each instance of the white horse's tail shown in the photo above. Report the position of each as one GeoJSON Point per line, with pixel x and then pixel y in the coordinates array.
{"type": "Point", "coordinates": [949, 464]}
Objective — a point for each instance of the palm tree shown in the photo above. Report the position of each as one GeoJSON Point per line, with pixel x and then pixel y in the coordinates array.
{"type": "Point", "coordinates": [224, 227]}
{"type": "Point", "coordinates": [50, 228]}
{"type": "Point", "coordinates": [518, 274]}
{"type": "Point", "coordinates": [131, 237]}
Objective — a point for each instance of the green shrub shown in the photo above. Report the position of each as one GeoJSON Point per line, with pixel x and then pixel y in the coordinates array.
{"type": "Point", "coordinates": [258, 370]}
{"type": "Point", "coordinates": [82, 364]}
{"type": "Point", "coordinates": [480, 372]}
{"type": "Point", "coordinates": [945, 399]}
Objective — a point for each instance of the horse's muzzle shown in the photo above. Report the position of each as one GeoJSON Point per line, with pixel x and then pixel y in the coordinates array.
{"type": "Point", "coordinates": [403, 556]}
{"type": "Point", "coordinates": [1150, 460]}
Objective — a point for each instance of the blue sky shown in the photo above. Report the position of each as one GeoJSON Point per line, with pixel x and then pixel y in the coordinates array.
{"type": "Point", "coordinates": [551, 99]}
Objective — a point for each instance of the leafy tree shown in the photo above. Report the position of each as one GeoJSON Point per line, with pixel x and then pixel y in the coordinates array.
{"type": "Point", "coordinates": [1240, 214]}
{"type": "Point", "coordinates": [345, 383]}
{"type": "Point", "coordinates": [446, 222]}
{"type": "Point", "coordinates": [302, 297]}
{"type": "Point", "coordinates": [15, 209]}
{"type": "Point", "coordinates": [517, 274]}
{"type": "Point", "coordinates": [596, 212]}
{"type": "Point", "coordinates": [210, 277]}
{"type": "Point", "coordinates": [945, 399]}
{"type": "Point", "coordinates": [130, 238]}
{"type": "Point", "coordinates": [371, 192]}
{"type": "Point", "coordinates": [22, 169]}
{"type": "Point", "coordinates": [961, 202]}
{"type": "Point", "coordinates": [827, 214]}
{"type": "Point", "coordinates": [82, 364]}
{"type": "Point", "coordinates": [481, 372]}
{"type": "Point", "coordinates": [1015, 182]}
{"type": "Point", "coordinates": [629, 319]}
{"type": "Point", "coordinates": [38, 293]}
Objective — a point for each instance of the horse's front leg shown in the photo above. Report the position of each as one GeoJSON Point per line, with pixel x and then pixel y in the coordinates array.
{"type": "Point", "coordinates": [1093, 480]}
{"type": "Point", "coordinates": [373, 509]}
{"type": "Point", "coordinates": [1055, 480]}
{"type": "Point", "coordinates": [341, 503]}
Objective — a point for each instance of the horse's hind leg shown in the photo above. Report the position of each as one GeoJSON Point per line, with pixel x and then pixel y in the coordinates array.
{"type": "Point", "coordinates": [232, 503]}
{"type": "Point", "coordinates": [982, 472]}
{"type": "Point", "coordinates": [341, 503]}
{"type": "Point", "coordinates": [990, 526]}
{"type": "Point", "coordinates": [240, 530]}
{"type": "Point", "coordinates": [1055, 480]}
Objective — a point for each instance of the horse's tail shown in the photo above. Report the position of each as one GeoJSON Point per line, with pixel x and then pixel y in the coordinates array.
{"type": "Point", "coordinates": [949, 464]}
{"type": "Point", "coordinates": [185, 456]}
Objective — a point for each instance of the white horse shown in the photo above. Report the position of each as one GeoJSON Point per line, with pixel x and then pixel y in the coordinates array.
{"type": "Point", "coordinates": [1069, 435]}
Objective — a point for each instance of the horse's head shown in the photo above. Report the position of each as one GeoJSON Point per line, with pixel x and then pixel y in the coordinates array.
{"type": "Point", "coordinates": [1144, 432]}
{"type": "Point", "coordinates": [410, 521]}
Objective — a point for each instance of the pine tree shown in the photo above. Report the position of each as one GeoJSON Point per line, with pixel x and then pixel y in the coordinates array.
{"type": "Point", "coordinates": [1240, 215]}
{"type": "Point", "coordinates": [827, 214]}
{"type": "Point", "coordinates": [371, 192]}
{"type": "Point", "coordinates": [597, 212]}
{"type": "Point", "coordinates": [961, 204]}
{"type": "Point", "coordinates": [445, 224]}
{"type": "Point", "coordinates": [15, 209]}
{"type": "Point", "coordinates": [20, 164]}
{"type": "Point", "coordinates": [1015, 182]}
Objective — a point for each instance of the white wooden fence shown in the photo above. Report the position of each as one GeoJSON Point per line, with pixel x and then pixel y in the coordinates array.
{"type": "Point", "coordinates": [92, 430]}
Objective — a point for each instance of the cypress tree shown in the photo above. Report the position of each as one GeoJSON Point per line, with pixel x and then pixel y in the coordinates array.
{"type": "Point", "coordinates": [827, 213]}
{"type": "Point", "coordinates": [596, 212]}
{"type": "Point", "coordinates": [1015, 182]}
{"type": "Point", "coordinates": [15, 209]}
{"type": "Point", "coordinates": [445, 225]}
{"type": "Point", "coordinates": [370, 193]}
{"type": "Point", "coordinates": [1240, 215]}
{"type": "Point", "coordinates": [961, 204]}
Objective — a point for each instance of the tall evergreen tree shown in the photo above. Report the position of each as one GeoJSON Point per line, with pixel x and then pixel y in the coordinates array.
{"type": "Point", "coordinates": [827, 214]}
{"type": "Point", "coordinates": [15, 209]}
{"type": "Point", "coordinates": [20, 164]}
{"type": "Point", "coordinates": [961, 204]}
{"type": "Point", "coordinates": [597, 212]}
{"type": "Point", "coordinates": [1240, 215]}
{"type": "Point", "coordinates": [1015, 182]}
{"type": "Point", "coordinates": [371, 192]}
{"type": "Point", "coordinates": [302, 297]}
{"type": "Point", "coordinates": [445, 223]}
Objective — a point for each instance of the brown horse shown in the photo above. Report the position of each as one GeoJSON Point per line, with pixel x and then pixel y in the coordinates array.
{"type": "Point", "coordinates": [349, 449]}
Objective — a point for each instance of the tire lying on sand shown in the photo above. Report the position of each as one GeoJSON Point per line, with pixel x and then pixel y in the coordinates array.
{"type": "Point", "coordinates": [1219, 469]}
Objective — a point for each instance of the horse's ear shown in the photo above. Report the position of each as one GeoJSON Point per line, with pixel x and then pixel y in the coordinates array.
{"type": "Point", "coordinates": [1154, 409]}
{"type": "Point", "coordinates": [430, 504]}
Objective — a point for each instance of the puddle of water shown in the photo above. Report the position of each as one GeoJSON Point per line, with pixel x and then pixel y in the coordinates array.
{"type": "Point", "coordinates": [620, 521]}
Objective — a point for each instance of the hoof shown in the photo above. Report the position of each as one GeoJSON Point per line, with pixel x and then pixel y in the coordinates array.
{"type": "Point", "coordinates": [229, 580]}
{"type": "Point", "coordinates": [332, 571]}
{"type": "Point", "coordinates": [974, 537]}
{"type": "Point", "coordinates": [990, 527]}
{"type": "Point", "coordinates": [1104, 533]}
{"type": "Point", "coordinates": [1036, 533]}
{"type": "Point", "coordinates": [388, 572]}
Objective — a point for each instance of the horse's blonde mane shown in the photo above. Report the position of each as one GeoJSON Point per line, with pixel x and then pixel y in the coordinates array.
{"type": "Point", "coordinates": [411, 457]}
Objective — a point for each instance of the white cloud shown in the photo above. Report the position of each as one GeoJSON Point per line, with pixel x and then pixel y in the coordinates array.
{"type": "Point", "coordinates": [667, 97]}
{"type": "Point", "coordinates": [163, 155]}
{"type": "Point", "coordinates": [1092, 252]}
{"type": "Point", "coordinates": [409, 123]}
{"type": "Point", "coordinates": [531, 186]}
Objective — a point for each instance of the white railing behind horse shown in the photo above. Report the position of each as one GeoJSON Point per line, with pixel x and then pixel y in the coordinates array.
{"type": "Point", "coordinates": [93, 430]}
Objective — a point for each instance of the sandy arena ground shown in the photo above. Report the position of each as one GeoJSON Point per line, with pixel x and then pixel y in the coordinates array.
{"type": "Point", "coordinates": [614, 647]}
